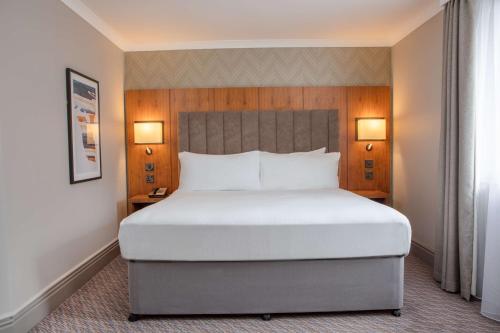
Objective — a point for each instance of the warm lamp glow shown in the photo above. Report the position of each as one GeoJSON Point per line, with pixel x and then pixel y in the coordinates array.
{"type": "Point", "coordinates": [370, 129]}
{"type": "Point", "coordinates": [147, 132]}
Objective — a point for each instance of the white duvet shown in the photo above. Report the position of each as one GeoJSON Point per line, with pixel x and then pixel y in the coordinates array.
{"type": "Point", "coordinates": [264, 225]}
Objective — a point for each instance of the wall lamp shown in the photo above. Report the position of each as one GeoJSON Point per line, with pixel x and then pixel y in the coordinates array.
{"type": "Point", "coordinates": [148, 132]}
{"type": "Point", "coordinates": [370, 129]}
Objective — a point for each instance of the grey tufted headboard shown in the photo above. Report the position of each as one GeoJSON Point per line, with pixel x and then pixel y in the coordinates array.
{"type": "Point", "coordinates": [232, 132]}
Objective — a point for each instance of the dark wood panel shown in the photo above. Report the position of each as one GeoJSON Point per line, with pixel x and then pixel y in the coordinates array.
{"type": "Point", "coordinates": [369, 102]}
{"type": "Point", "coordinates": [185, 100]}
{"type": "Point", "coordinates": [281, 98]}
{"type": "Point", "coordinates": [236, 99]}
{"type": "Point", "coordinates": [328, 98]}
{"type": "Point", "coordinates": [144, 105]}
{"type": "Point", "coordinates": [351, 102]}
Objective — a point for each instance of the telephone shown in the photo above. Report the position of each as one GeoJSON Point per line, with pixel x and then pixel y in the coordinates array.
{"type": "Point", "coordinates": [158, 192]}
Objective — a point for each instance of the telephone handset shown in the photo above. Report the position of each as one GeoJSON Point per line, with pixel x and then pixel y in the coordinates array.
{"type": "Point", "coordinates": [158, 192]}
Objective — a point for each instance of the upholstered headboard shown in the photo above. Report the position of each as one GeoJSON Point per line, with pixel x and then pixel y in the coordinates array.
{"type": "Point", "coordinates": [232, 132]}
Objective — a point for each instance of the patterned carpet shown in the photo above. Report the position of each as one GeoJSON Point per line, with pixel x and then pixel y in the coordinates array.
{"type": "Point", "coordinates": [101, 306]}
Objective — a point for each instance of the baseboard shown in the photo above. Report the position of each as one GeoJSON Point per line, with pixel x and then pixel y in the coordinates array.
{"type": "Point", "coordinates": [422, 253]}
{"type": "Point", "coordinates": [33, 312]}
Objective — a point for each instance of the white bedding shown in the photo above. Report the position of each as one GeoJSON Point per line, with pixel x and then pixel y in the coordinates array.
{"type": "Point", "coordinates": [264, 225]}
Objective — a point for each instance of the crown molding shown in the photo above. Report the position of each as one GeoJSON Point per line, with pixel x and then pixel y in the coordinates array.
{"type": "Point", "coordinates": [95, 21]}
{"type": "Point", "coordinates": [257, 43]}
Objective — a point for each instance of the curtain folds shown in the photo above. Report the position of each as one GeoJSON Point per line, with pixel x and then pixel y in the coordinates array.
{"type": "Point", "coordinates": [455, 235]}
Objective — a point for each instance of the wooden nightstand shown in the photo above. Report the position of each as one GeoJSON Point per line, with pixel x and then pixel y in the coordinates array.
{"type": "Point", "coordinates": [140, 201]}
{"type": "Point", "coordinates": [375, 195]}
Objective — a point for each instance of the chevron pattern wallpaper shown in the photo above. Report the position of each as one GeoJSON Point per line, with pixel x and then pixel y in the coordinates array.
{"type": "Point", "coordinates": [335, 66]}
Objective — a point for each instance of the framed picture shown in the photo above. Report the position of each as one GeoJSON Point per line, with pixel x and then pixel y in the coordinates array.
{"type": "Point", "coordinates": [84, 133]}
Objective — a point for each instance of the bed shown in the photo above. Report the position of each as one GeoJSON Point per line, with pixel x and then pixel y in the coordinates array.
{"type": "Point", "coordinates": [263, 252]}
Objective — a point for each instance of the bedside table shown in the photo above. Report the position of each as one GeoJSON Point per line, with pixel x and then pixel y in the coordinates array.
{"type": "Point", "coordinates": [375, 195]}
{"type": "Point", "coordinates": [140, 201]}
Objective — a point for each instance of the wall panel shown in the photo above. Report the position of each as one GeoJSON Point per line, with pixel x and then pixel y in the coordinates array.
{"type": "Point", "coordinates": [281, 98]}
{"type": "Point", "coordinates": [351, 102]}
{"type": "Point", "coordinates": [236, 99]}
{"type": "Point", "coordinates": [368, 102]}
{"type": "Point", "coordinates": [147, 105]}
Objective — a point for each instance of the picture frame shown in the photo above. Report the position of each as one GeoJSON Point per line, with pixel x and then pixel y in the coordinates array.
{"type": "Point", "coordinates": [84, 129]}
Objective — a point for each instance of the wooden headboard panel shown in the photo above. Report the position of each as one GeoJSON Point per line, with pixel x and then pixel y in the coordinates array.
{"type": "Point", "coordinates": [168, 104]}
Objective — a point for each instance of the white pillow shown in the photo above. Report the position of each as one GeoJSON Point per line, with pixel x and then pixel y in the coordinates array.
{"type": "Point", "coordinates": [203, 172]}
{"type": "Point", "coordinates": [317, 151]}
{"type": "Point", "coordinates": [297, 172]}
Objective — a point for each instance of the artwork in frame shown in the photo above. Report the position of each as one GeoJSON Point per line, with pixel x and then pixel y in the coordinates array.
{"type": "Point", "coordinates": [84, 133]}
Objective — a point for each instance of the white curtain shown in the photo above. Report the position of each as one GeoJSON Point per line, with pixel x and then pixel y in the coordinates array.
{"type": "Point", "coordinates": [487, 102]}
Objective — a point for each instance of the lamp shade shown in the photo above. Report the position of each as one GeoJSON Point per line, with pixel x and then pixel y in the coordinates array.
{"type": "Point", "coordinates": [370, 129]}
{"type": "Point", "coordinates": [147, 132]}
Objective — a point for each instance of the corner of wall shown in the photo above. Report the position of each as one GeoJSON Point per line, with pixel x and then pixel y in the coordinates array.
{"type": "Point", "coordinates": [416, 75]}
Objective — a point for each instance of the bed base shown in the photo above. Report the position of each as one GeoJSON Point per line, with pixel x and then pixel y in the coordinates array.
{"type": "Point", "coordinates": [265, 287]}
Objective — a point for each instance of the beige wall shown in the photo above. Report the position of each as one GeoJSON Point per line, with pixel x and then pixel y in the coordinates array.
{"type": "Point", "coordinates": [5, 295]}
{"type": "Point", "coordinates": [47, 225]}
{"type": "Point", "coordinates": [329, 66]}
{"type": "Point", "coordinates": [416, 68]}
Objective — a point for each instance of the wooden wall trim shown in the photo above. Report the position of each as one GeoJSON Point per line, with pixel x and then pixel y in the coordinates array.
{"type": "Point", "coordinates": [281, 98]}
{"type": "Point", "coordinates": [352, 102]}
{"type": "Point", "coordinates": [236, 99]}
{"type": "Point", "coordinates": [368, 102]}
{"type": "Point", "coordinates": [147, 105]}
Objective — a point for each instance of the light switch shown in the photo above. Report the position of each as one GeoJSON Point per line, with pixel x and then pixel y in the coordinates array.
{"type": "Point", "coordinates": [369, 164]}
{"type": "Point", "coordinates": [369, 175]}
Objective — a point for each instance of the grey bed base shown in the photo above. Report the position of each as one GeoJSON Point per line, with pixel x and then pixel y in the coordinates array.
{"type": "Point", "coordinates": [265, 287]}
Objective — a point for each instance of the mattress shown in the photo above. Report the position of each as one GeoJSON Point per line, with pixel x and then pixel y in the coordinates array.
{"type": "Point", "coordinates": [264, 225]}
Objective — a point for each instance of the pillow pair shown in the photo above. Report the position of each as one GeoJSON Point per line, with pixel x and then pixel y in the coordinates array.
{"type": "Point", "coordinates": [257, 170]}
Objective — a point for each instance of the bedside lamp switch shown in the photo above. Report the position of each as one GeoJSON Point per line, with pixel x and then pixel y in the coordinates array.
{"type": "Point", "coordinates": [368, 164]}
{"type": "Point", "coordinates": [369, 175]}
{"type": "Point", "coordinates": [150, 179]}
{"type": "Point", "coordinates": [149, 167]}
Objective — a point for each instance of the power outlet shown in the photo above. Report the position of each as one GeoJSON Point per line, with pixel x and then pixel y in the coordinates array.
{"type": "Point", "coordinates": [369, 164]}
{"type": "Point", "coordinates": [149, 167]}
{"type": "Point", "coordinates": [369, 175]}
{"type": "Point", "coordinates": [150, 179]}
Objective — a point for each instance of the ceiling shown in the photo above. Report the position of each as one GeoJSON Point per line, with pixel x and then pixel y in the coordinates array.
{"type": "Point", "coordinates": [138, 25]}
